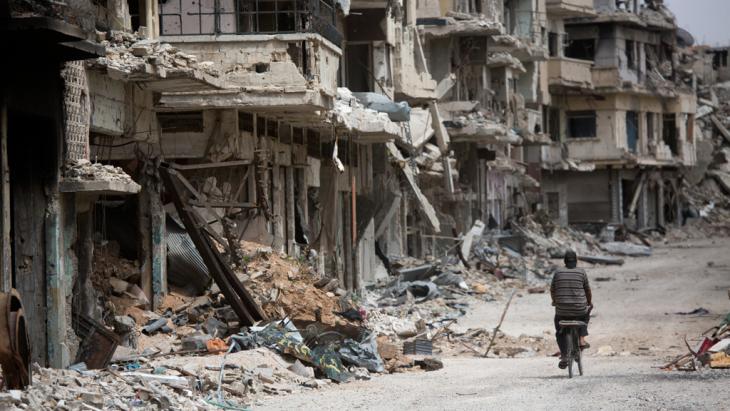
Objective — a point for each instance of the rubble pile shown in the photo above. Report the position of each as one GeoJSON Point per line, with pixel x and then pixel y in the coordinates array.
{"type": "Point", "coordinates": [128, 53]}
{"type": "Point", "coordinates": [84, 170]}
{"type": "Point", "coordinates": [713, 350]}
{"type": "Point", "coordinates": [284, 288]}
{"type": "Point", "coordinates": [706, 191]}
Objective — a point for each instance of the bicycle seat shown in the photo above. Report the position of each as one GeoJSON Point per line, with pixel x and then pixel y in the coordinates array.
{"type": "Point", "coordinates": [571, 324]}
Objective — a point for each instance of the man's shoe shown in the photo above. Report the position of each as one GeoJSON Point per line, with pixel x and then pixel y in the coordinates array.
{"type": "Point", "coordinates": [585, 346]}
{"type": "Point", "coordinates": [563, 364]}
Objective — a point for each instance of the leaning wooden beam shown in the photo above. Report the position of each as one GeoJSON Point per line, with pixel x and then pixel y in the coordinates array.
{"type": "Point", "coordinates": [220, 164]}
{"type": "Point", "coordinates": [385, 222]}
{"type": "Point", "coordinates": [240, 300]}
{"type": "Point", "coordinates": [423, 202]}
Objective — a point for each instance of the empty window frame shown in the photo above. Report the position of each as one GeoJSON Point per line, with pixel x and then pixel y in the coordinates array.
{"type": "Point", "coordinates": [650, 133]}
{"type": "Point", "coordinates": [582, 49]}
{"type": "Point", "coordinates": [245, 122]}
{"type": "Point", "coordinates": [581, 124]}
{"type": "Point", "coordinates": [554, 124]}
{"type": "Point", "coordinates": [298, 135]}
{"type": "Point", "coordinates": [669, 132]}
{"type": "Point", "coordinates": [631, 54]}
{"type": "Point", "coordinates": [719, 58]}
{"type": "Point", "coordinates": [181, 122]}
{"type": "Point", "coordinates": [632, 131]}
{"type": "Point", "coordinates": [314, 148]}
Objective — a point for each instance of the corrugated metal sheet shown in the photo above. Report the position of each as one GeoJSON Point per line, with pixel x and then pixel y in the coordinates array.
{"type": "Point", "coordinates": [185, 266]}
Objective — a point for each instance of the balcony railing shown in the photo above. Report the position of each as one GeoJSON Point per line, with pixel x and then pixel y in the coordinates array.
{"type": "Point", "coordinates": [215, 17]}
{"type": "Point", "coordinates": [571, 8]}
{"type": "Point", "coordinates": [567, 72]}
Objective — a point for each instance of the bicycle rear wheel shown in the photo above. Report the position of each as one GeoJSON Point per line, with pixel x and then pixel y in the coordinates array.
{"type": "Point", "coordinates": [579, 360]}
{"type": "Point", "coordinates": [569, 351]}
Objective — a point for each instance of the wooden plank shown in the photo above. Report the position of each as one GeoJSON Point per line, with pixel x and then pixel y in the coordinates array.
{"type": "Point", "coordinates": [423, 202]}
{"type": "Point", "coordinates": [219, 164]}
{"type": "Point", "coordinates": [721, 128]}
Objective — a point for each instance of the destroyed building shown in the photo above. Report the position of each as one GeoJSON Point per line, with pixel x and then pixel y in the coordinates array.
{"type": "Point", "coordinates": [345, 132]}
{"type": "Point", "coordinates": [621, 118]}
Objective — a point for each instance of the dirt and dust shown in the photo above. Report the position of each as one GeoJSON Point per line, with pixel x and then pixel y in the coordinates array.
{"type": "Point", "coordinates": [634, 331]}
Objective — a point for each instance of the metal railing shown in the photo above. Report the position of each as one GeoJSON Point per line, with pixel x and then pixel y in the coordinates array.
{"type": "Point", "coordinates": [215, 17]}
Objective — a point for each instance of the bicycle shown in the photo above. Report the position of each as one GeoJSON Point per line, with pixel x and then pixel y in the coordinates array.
{"type": "Point", "coordinates": [572, 345]}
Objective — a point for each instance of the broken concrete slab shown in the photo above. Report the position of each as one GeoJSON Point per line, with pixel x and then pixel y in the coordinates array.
{"type": "Point", "coordinates": [628, 249]}
{"type": "Point", "coordinates": [475, 233]}
{"type": "Point", "coordinates": [601, 259]}
{"type": "Point", "coordinates": [423, 202]}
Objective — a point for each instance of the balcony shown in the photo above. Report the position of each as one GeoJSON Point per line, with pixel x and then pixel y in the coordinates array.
{"type": "Point", "coordinates": [606, 77]}
{"type": "Point", "coordinates": [570, 8]}
{"type": "Point", "coordinates": [566, 73]}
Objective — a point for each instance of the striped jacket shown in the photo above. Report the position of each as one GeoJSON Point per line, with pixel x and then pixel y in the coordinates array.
{"type": "Point", "coordinates": [568, 290]}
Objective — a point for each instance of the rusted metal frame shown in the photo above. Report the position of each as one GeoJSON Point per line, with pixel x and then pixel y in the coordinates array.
{"type": "Point", "coordinates": [237, 296]}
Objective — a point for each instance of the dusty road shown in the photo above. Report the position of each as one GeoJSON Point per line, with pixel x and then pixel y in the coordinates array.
{"type": "Point", "coordinates": [635, 316]}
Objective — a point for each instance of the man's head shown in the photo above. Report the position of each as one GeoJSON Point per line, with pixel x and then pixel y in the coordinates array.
{"type": "Point", "coordinates": [570, 259]}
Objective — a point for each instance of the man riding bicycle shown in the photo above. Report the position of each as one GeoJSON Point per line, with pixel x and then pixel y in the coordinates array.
{"type": "Point", "coordinates": [572, 298]}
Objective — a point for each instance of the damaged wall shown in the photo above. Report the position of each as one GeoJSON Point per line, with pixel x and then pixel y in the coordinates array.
{"type": "Point", "coordinates": [287, 63]}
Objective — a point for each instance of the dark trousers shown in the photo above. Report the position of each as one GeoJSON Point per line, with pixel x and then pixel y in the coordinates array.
{"type": "Point", "coordinates": [562, 337]}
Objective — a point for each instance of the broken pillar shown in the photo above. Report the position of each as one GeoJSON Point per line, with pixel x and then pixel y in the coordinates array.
{"type": "Point", "coordinates": [153, 251]}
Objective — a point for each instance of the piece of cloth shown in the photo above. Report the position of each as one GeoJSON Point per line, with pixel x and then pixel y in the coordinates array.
{"type": "Point", "coordinates": [562, 337]}
{"type": "Point", "coordinates": [569, 290]}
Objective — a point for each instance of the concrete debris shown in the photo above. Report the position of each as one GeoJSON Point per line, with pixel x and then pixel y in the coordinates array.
{"type": "Point", "coordinates": [128, 56]}
{"type": "Point", "coordinates": [628, 249]}
{"type": "Point", "coordinates": [84, 170]}
{"type": "Point", "coordinates": [349, 112]}
{"type": "Point", "coordinates": [713, 349]}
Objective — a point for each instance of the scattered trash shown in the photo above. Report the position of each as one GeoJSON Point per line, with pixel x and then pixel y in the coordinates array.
{"type": "Point", "coordinates": [696, 311]}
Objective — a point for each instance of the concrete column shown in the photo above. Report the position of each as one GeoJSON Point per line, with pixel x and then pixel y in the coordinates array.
{"type": "Point", "coordinates": [60, 231]}
{"type": "Point", "coordinates": [617, 215]}
{"type": "Point", "coordinates": [642, 216]}
{"type": "Point", "coordinates": [153, 251]}
{"type": "Point", "coordinates": [159, 248]}
{"type": "Point", "coordinates": [290, 220]}
{"type": "Point", "coordinates": [661, 219]}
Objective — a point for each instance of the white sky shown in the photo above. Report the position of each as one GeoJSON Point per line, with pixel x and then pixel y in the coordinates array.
{"type": "Point", "coordinates": [707, 20]}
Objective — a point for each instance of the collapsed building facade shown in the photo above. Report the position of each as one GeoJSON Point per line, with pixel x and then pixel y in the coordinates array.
{"type": "Point", "coordinates": [344, 132]}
